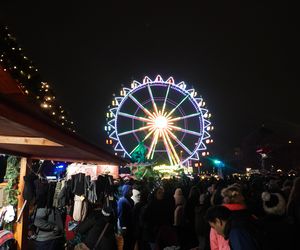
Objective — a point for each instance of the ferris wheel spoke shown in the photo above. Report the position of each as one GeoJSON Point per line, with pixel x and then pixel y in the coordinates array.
{"type": "Point", "coordinates": [134, 117]}
{"type": "Point", "coordinates": [179, 142]}
{"type": "Point", "coordinates": [185, 130]}
{"type": "Point", "coordinates": [135, 130]}
{"type": "Point", "coordinates": [152, 99]}
{"type": "Point", "coordinates": [172, 147]}
{"type": "Point", "coordinates": [164, 105]}
{"type": "Point", "coordinates": [153, 145]}
{"type": "Point", "coordinates": [141, 106]}
{"type": "Point", "coordinates": [171, 112]}
{"type": "Point", "coordinates": [146, 137]}
{"type": "Point", "coordinates": [169, 153]}
{"type": "Point", "coordinates": [169, 148]}
{"type": "Point", "coordinates": [184, 117]}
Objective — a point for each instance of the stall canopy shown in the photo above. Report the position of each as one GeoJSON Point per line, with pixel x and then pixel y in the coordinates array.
{"type": "Point", "coordinates": [26, 131]}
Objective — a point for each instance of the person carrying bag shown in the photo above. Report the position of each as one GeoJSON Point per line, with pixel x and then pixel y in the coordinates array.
{"type": "Point", "coordinates": [83, 246]}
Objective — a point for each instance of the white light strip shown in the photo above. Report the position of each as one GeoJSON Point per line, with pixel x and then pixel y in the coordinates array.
{"type": "Point", "coordinates": [152, 99]}
{"type": "Point", "coordinates": [184, 117]}
{"type": "Point", "coordinates": [185, 130]}
{"type": "Point", "coordinates": [177, 106]}
{"type": "Point", "coordinates": [180, 143]}
{"type": "Point", "coordinates": [135, 130]}
{"type": "Point", "coordinates": [141, 106]}
{"type": "Point", "coordinates": [134, 117]}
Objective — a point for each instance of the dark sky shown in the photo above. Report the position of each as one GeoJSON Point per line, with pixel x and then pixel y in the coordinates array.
{"type": "Point", "coordinates": [241, 57]}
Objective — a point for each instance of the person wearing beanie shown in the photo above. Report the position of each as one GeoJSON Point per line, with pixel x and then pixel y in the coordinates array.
{"type": "Point", "coordinates": [233, 195]}
{"type": "Point", "coordinates": [273, 203]}
{"type": "Point", "coordinates": [278, 232]}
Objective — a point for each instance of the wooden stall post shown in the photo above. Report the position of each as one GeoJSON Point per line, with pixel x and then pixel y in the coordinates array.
{"type": "Point", "coordinates": [21, 227]}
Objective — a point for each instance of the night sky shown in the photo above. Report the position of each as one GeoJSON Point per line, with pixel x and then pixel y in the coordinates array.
{"type": "Point", "coordinates": [241, 57]}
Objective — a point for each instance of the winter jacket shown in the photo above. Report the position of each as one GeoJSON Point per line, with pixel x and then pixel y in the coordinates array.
{"type": "Point", "coordinates": [293, 211]}
{"type": "Point", "coordinates": [278, 233]}
{"type": "Point", "coordinates": [217, 242]}
{"type": "Point", "coordinates": [108, 241]}
{"type": "Point", "coordinates": [79, 184]}
{"type": "Point", "coordinates": [58, 187]}
{"type": "Point", "coordinates": [65, 196]}
{"type": "Point", "coordinates": [241, 230]}
{"type": "Point", "coordinates": [240, 239]}
{"type": "Point", "coordinates": [49, 224]}
{"type": "Point", "coordinates": [125, 206]}
{"type": "Point", "coordinates": [202, 227]}
{"type": "Point", "coordinates": [156, 214]}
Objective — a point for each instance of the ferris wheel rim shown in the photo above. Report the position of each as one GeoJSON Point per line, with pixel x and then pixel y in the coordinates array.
{"type": "Point", "coordinates": [187, 95]}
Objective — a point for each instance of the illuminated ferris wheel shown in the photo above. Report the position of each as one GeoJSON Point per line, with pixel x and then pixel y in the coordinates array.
{"type": "Point", "coordinates": [169, 119]}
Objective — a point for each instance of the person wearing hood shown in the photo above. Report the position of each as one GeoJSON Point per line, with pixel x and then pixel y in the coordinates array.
{"type": "Point", "coordinates": [278, 232]}
{"type": "Point", "coordinates": [125, 206]}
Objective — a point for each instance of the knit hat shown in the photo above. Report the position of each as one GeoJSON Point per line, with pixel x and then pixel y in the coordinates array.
{"type": "Point", "coordinates": [178, 196]}
{"type": "Point", "coordinates": [232, 194]}
{"type": "Point", "coordinates": [273, 203]}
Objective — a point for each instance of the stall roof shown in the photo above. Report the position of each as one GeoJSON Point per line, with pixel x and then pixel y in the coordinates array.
{"type": "Point", "coordinates": [26, 131]}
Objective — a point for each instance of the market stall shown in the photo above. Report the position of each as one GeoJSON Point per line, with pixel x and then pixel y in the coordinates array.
{"type": "Point", "coordinates": [26, 132]}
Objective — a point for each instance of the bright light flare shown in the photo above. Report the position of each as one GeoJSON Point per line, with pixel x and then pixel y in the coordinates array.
{"type": "Point", "coordinates": [161, 122]}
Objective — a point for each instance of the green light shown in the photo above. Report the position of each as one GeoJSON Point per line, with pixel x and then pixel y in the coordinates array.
{"type": "Point", "coordinates": [218, 163]}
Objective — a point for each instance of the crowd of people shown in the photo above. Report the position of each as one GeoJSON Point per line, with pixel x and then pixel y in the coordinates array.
{"type": "Point", "coordinates": [250, 213]}
{"type": "Point", "coordinates": [257, 212]}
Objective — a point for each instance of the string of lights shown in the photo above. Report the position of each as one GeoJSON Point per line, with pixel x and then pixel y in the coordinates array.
{"type": "Point", "coordinates": [22, 69]}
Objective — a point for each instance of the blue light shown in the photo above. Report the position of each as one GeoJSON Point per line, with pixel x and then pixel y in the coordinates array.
{"type": "Point", "coordinates": [59, 168]}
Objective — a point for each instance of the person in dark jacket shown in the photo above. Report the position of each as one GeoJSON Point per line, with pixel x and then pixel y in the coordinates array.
{"type": "Point", "coordinates": [137, 223]}
{"type": "Point", "coordinates": [278, 231]}
{"type": "Point", "coordinates": [49, 225]}
{"type": "Point", "coordinates": [239, 230]}
{"type": "Point", "coordinates": [125, 206]}
{"type": "Point", "coordinates": [158, 215]}
{"type": "Point", "coordinates": [189, 237]}
{"type": "Point", "coordinates": [293, 205]}
{"type": "Point", "coordinates": [202, 227]}
{"type": "Point", "coordinates": [103, 222]}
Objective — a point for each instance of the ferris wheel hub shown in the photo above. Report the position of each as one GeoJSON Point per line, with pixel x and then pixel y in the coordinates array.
{"type": "Point", "coordinates": [161, 122]}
